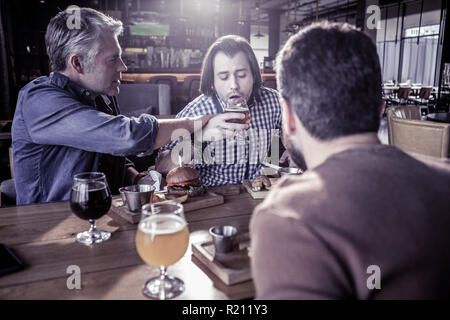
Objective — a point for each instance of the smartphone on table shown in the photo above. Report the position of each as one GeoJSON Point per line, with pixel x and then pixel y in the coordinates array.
{"type": "Point", "coordinates": [9, 262]}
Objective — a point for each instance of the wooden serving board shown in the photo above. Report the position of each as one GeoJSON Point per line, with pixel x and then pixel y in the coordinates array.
{"type": "Point", "coordinates": [231, 268]}
{"type": "Point", "coordinates": [210, 199]}
{"type": "Point", "coordinates": [258, 194]}
{"type": "Point", "coordinates": [227, 189]}
{"type": "Point", "coordinates": [242, 290]}
{"type": "Point", "coordinates": [119, 210]}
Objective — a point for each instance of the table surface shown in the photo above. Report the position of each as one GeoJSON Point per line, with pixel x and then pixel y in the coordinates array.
{"type": "Point", "coordinates": [439, 117]}
{"type": "Point", "coordinates": [43, 236]}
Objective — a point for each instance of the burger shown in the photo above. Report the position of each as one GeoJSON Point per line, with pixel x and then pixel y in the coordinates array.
{"type": "Point", "coordinates": [184, 180]}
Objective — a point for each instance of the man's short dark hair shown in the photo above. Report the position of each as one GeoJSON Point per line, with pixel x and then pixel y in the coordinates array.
{"type": "Point", "coordinates": [230, 45]}
{"type": "Point", "coordinates": [330, 75]}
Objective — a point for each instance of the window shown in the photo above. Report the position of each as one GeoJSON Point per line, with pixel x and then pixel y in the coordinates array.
{"type": "Point", "coordinates": [409, 54]}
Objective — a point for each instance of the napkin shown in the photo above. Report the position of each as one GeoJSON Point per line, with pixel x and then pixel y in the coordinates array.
{"type": "Point", "coordinates": [153, 178]}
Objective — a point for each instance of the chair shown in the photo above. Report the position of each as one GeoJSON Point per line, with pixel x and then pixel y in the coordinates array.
{"type": "Point", "coordinates": [269, 82]}
{"type": "Point", "coordinates": [418, 136]}
{"type": "Point", "coordinates": [424, 96]}
{"type": "Point", "coordinates": [403, 95]}
{"type": "Point", "coordinates": [8, 187]}
{"type": "Point", "coordinates": [172, 82]}
{"type": "Point", "coordinates": [191, 88]}
{"type": "Point", "coordinates": [8, 193]}
{"type": "Point", "coordinates": [137, 98]}
{"type": "Point", "coordinates": [11, 163]}
{"type": "Point", "coordinates": [407, 112]}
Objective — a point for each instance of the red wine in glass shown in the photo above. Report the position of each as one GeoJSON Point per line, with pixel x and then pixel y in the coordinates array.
{"type": "Point", "coordinates": [90, 199]}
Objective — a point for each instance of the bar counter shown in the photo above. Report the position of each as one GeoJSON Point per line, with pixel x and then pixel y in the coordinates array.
{"type": "Point", "coordinates": [136, 77]}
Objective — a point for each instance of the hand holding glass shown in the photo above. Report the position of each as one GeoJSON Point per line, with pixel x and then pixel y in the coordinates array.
{"type": "Point", "coordinates": [240, 107]}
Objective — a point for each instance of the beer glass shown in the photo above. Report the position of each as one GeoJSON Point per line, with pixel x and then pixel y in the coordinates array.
{"type": "Point", "coordinates": [239, 107]}
{"type": "Point", "coordinates": [162, 239]}
{"type": "Point", "coordinates": [90, 199]}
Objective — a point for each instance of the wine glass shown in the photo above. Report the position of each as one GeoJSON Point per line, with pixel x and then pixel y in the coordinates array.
{"type": "Point", "coordinates": [90, 199]}
{"type": "Point", "coordinates": [162, 239]}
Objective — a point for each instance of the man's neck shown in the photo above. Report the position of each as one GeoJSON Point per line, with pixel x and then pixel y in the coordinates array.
{"type": "Point", "coordinates": [316, 152]}
{"type": "Point", "coordinates": [76, 80]}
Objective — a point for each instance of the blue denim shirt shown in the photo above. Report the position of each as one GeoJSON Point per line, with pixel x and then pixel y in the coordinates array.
{"type": "Point", "coordinates": [57, 132]}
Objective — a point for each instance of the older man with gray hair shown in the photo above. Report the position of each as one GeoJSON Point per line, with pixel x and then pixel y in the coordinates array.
{"type": "Point", "coordinates": [69, 122]}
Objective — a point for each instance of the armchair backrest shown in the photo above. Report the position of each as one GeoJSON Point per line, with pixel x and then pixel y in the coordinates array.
{"type": "Point", "coordinates": [191, 87]}
{"type": "Point", "coordinates": [419, 136]}
{"type": "Point", "coordinates": [137, 98]}
{"type": "Point", "coordinates": [407, 112]}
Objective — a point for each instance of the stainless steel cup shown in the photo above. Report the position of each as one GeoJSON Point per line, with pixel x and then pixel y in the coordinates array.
{"type": "Point", "coordinates": [137, 195]}
{"type": "Point", "coordinates": [289, 171]}
{"type": "Point", "coordinates": [223, 238]}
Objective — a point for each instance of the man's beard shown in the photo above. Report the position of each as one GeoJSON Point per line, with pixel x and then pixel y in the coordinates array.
{"type": "Point", "coordinates": [296, 155]}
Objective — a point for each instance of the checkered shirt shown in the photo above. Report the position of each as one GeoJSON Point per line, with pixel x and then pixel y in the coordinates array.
{"type": "Point", "coordinates": [230, 161]}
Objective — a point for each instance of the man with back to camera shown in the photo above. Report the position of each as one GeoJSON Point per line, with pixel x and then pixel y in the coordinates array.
{"type": "Point", "coordinates": [366, 221]}
{"type": "Point", "coordinates": [68, 122]}
{"type": "Point", "coordinates": [230, 71]}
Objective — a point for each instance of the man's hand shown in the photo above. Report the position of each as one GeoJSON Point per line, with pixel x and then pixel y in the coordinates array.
{"type": "Point", "coordinates": [217, 128]}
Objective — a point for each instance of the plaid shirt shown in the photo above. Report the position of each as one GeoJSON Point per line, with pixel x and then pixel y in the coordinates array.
{"type": "Point", "coordinates": [229, 161]}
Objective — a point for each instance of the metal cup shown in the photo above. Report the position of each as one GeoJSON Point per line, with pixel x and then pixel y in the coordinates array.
{"type": "Point", "coordinates": [289, 171]}
{"type": "Point", "coordinates": [137, 195]}
{"type": "Point", "coordinates": [223, 238]}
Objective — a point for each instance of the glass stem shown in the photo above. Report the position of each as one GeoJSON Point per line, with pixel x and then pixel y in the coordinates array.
{"type": "Point", "coordinates": [162, 272]}
{"type": "Point", "coordinates": [92, 228]}
{"type": "Point", "coordinates": [162, 283]}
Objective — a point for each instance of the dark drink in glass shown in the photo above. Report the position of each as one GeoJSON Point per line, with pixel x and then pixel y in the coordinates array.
{"type": "Point", "coordinates": [89, 204]}
{"type": "Point", "coordinates": [238, 109]}
{"type": "Point", "coordinates": [90, 199]}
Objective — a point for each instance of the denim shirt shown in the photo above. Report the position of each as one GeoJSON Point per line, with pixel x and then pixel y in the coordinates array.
{"type": "Point", "coordinates": [57, 132]}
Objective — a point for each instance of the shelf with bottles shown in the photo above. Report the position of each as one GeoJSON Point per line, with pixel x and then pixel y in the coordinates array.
{"type": "Point", "coordinates": [162, 58]}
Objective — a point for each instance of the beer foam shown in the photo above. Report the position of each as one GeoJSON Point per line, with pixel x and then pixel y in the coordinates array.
{"type": "Point", "coordinates": [162, 224]}
{"type": "Point", "coordinates": [235, 108]}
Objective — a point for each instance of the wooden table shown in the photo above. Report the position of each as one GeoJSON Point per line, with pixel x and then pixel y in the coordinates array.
{"type": "Point", "coordinates": [43, 236]}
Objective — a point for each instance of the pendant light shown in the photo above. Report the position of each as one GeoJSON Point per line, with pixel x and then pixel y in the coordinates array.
{"type": "Point", "coordinates": [288, 29]}
{"type": "Point", "coordinates": [258, 34]}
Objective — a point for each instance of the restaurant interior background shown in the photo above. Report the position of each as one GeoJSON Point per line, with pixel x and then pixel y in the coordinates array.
{"type": "Point", "coordinates": [171, 37]}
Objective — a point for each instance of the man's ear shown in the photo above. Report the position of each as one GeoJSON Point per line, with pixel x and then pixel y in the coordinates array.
{"type": "Point", "coordinates": [76, 63]}
{"type": "Point", "coordinates": [288, 117]}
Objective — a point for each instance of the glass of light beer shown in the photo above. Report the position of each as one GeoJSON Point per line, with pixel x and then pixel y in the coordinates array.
{"type": "Point", "coordinates": [239, 107]}
{"type": "Point", "coordinates": [162, 239]}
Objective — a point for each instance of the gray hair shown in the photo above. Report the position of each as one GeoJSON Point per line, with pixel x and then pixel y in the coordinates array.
{"type": "Point", "coordinates": [64, 38]}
